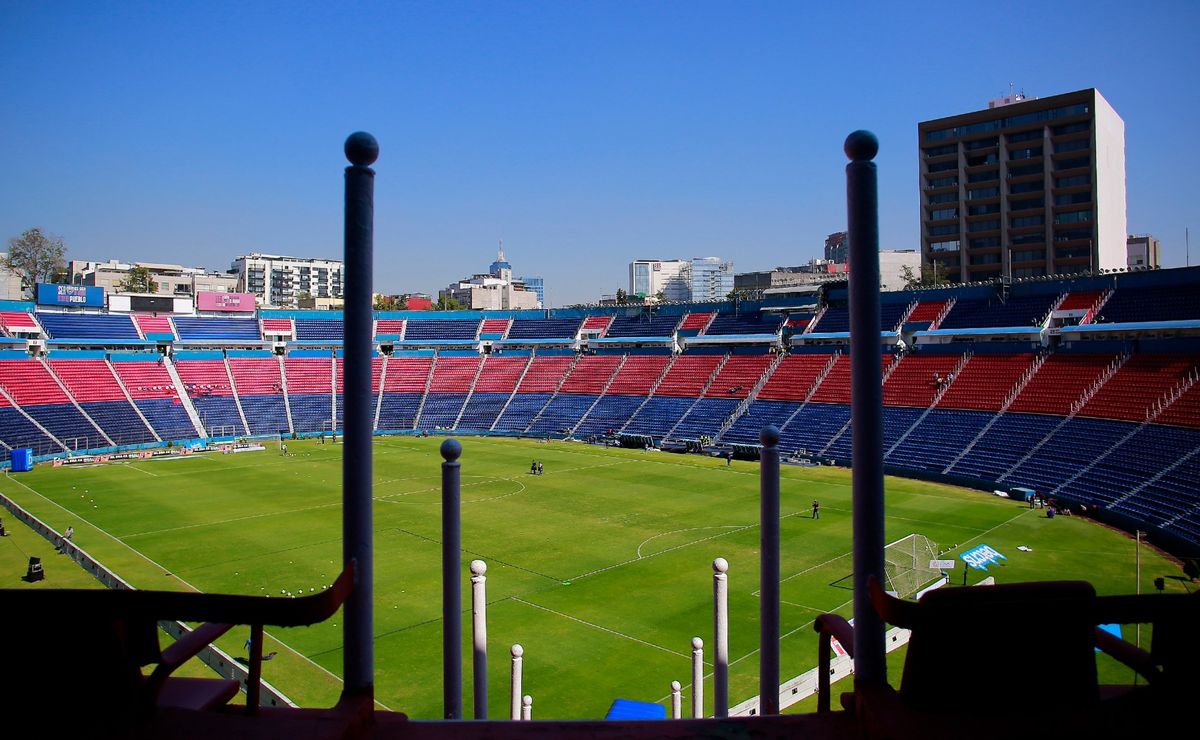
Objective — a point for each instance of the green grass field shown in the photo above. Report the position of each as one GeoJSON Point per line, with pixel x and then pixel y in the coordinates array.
{"type": "Point", "coordinates": [601, 568]}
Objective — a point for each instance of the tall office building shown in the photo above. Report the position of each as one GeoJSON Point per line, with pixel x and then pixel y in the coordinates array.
{"type": "Point", "coordinates": [1027, 187]}
{"type": "Point", "coordinates": [837, 247]}
{"type": "Point", "coordinates": [1143, 251]}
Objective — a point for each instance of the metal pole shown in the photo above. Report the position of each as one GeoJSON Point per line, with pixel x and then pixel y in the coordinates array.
{"type": "Point", "coordinates": [479, 632]}
{"type": "Point", "coordinates": [1138, 584]}
{"type": "Point", "coordinates": [451, 582]}
{"type": "Point", "coordinates": [720, 638]}
{"type": "Point", "coordinates": [515, 703]}
{"type": "Point", "coordinates": [697, 678]}
{"type": "Point", "coordinates": [768, 629]}
{"type": "Point", "coordinates": [676, 700]}
{"type": "Point", "coordinates": [866, 402]}
{"type": "Point", "coordinates": [357, 543]}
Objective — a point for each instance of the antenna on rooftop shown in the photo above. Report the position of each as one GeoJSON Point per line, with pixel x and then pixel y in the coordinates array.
{"type": "Point", "coordinates": [500, 252]}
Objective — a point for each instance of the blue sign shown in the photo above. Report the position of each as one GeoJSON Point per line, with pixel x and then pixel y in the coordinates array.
{"type": "Point", "coordinates": [981, 557]}
{"type": "Point", "coordinates": [70, 295]}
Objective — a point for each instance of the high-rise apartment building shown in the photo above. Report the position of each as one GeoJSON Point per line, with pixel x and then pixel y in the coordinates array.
{"type": "Point", "coordinates": [279, 281]}
{"type": "Point", "coordinates": [711, 279]}
{"type": "Point", "coordinates": [1142, 251]}
{"type": "Point", "coordinates": [837, 247]}
{"type": "Point", "coordinates": [669, 277]}
{"type": "Point", "coordinates": [1026, 187]}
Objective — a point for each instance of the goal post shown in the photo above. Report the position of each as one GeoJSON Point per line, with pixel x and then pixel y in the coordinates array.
{"type": "Point", "coordinates": [907, 565]}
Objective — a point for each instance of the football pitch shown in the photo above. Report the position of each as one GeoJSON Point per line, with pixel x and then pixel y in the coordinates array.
{"type": "Point", "coordinates": [600, 568]}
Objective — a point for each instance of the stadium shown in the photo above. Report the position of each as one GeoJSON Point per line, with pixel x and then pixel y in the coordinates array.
{"type": "Point", "coordinates": [1003, 404]}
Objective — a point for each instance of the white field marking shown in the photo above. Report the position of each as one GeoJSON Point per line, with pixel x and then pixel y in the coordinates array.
{"type": "Point", "coordinates": [808, 570]}
{"type": "Point", "coordinates": [689, 529]}
{"type": "Point", "coordinates": [660, 552]}
{"type": "Point", "coordinates": [593, 625]}
{"type": "Point", "coordinates": [157, 565]}
{"type": "Point", "coordinates": [908, 519]}
{"type": "Point", "coordinates": [802, 606]}
{"type": "Point", "coordinates": [998, 526]}
{"type": "Point", "coordinates": [134, 467]}
{"type": "Point", "coordinates": [102, 531]}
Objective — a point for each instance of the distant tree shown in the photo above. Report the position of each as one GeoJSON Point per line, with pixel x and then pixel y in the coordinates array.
{"type": "Point", "coordinates": [139, 280]}
{"type": "Point", "coordinates": [448, 303]}
{"type": "Point", "coordinates": [622, 296]}
{"type": "Point", "coordinates": [385, 303]}
{"type": "Point", "coordinates": [931, 274]}
{"type": "Point", "coordinates": [35, 256]}
{"type": "Point", "coordinates": [661, 296]}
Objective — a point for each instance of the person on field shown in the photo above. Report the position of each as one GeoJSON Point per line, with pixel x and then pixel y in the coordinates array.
{"type": "Point", "coordinates": [540, 469]}
{"type": "Point", "coordinates": [533, 467]}
{"type": "Point", "coordinates": [283, 449]}
{"type": "Point", "coordinates": [816, 509]}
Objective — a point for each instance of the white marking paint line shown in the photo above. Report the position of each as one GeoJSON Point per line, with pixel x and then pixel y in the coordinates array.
{"type": "Point", "coordinates": [689, 529]}
{"type": "Point", "coordinates": [595, 626]}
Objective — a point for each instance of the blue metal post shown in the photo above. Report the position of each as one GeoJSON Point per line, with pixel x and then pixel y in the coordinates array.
{"type": "Point", "coordinates": [866, 402]}
{"type": "Point", "coordinates": [451, 581]}
{"type": "Point", "coordinates": [768, 519]}
{"type": "Point", "coordinates": [357, 634]}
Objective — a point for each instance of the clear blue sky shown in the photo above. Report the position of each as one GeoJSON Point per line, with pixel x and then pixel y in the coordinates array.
{"type": "Point", "coordinates": [583, 134]}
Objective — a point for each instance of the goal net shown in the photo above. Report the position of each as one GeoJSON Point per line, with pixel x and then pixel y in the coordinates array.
{"type": "Point", "coordinates": [906, 565]}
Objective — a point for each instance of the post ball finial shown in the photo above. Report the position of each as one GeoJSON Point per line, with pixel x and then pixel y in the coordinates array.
{"type": "Point", "coordinates": [720, 565]}
{"type": "Point", "coordinates": [861, 145]}
{"type": "Point", "coordinates": [451, 449]}
{"type": "Point", "coordinates": [361, 149]}
{"type": "Point", "coordinates": [697, 643]}
{"type": "Point", "coordinates": [675, 686]}
{"type": "Point", "coordinates": [517, 650]}
{"type": "Point", "coordinates": [769, 436]}
{"type": "Point", "coordinates": [478, 567]}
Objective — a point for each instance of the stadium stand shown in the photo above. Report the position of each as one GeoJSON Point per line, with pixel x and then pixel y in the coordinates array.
{"type": "Point", "coordinates": [497, 382]}
{"type": "Point", "coordinates": [258, 382]}
{"type": "Point", "coordinates": [319, 330]}
{"type": "Point", "coordinates": [155, 327]}
{"type": "Point", "coordinates": [31, 386]}
{"type": "Point", "coordinates": [14, 322]}
{"type": "Point", "coordinates": [742, 324]}
{"type": "Point", "coordinates": [544, 329]}
{"type": "Point", "coordinates": [90, 380]}
{"type": "Point", "coordinates": [277, 328]}
{"type": "Point", "coordinates": [207, 383]}
{"type": "Point", "coordinates": [104, 327]}
{"type": "Point", "coordinates": [430, 330]}
{"type": "Point", "coordinates": [642, 326]}
{"type": "Point", "coordinates": [310, 390]}
{"type": "Point", "coordinates": [152, 389]}
{"type": "Point", "coordinates": [389, 328]}
{"type": "Point", "coordinates": [214, 328]}
{"type": "Point", "coordinates": [995, 312]}
{"type": "Point", "coordinates": [1160, 303]}
{"type": "Point", "coordinates": [404, 384]}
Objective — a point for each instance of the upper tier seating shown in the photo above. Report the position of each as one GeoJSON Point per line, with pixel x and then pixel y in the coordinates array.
{"type": "Point", "coordinates": [594, 324]}
{"type": "Point", "coordinates": [738, 376]}
{"type": "Point", "coordinates": [216, 328]}
{"type": "Point", "coordinates": [320, 330]}
{"type": "Point", "coordinates": [1060, 382]}
{"type": "Point", "coordinates": [638, 375]}
{"type": "Point", "coordinates": [435, 329]}
{"type": "Point", "coordinates": [688, 375]}
{"type": "Point", "coordinates": [743, 324]}
{"type": "Point", "coordinates": [155, 327]}
{"type": "Point", "coordinates": [695, 321]}
{"type": "Point", "coordinates": [643, 326]}
{"type": "Point", "coordinates": [798, 321]}
{"type": "Point", "coordinates": [494, 328]}
{"type": "Point", "coordinates": [108, 327]}
{"type": "Point", "coordinates": [835, 319]}
{"type": "Point", "coordinates": [926, 312]}
{"type": "Point", "coordinates": [1078, 300]}
{"type": "Point", "coordinates": [1016, 311]}
{"type": "Point", "coordinates": [1163, 303]}
{"type": "Point", "coordinates": [985, 382]}
{"type": "Point", "coordinates": [277, 327]}
{"type": "Point", "coordinates": [918, 379]}
{"type": "Point", "coordinates": [793, 378]}
{"type": "Point", "coordinates": [1141, 381]}
{"type": "Point", "coordinates": [389, 328]}
{"type": "Point", "coordinates": [13, 321]}
{"type": "Point", "coordinates": [544, 329]}
{"type": "Point", "coordinates": [889, 316]}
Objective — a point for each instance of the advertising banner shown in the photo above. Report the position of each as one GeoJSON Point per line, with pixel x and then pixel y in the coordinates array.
{"type": "Point", "coordinates": [981, 557]}
{"type": "Point", "coordinates": [232, 302]}
{"type": "Point", "coordinates": [70, 295]}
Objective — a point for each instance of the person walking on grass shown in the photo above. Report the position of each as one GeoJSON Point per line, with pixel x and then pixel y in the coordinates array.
{"type": "Point", "coordinates": [816, 509]}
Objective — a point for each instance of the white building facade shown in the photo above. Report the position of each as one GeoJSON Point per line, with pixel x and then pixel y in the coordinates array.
{"type": "Point", "coordinates": [279, 280]}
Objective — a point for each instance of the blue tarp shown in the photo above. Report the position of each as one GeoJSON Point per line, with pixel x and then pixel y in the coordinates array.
{"type": "Point", "coordinates": [629, 709]}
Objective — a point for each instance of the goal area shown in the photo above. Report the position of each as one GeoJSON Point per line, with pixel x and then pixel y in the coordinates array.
{"type": "Point", "coordinates": [906, 565]}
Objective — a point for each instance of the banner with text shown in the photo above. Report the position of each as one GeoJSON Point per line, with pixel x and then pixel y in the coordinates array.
{"type": "Point", "coordinates": [70, 295]}
{"type": "Point", "coordinates": [981, 557]}
{"type": "Point", "coordinates": [232, 302]}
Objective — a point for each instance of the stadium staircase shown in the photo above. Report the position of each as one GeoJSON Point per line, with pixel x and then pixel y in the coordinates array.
{"type": "Point", "coordinates": [941, 393]}
{"type": "Point", "coordinates": [816, 319]}
{"type": "Point", "coordinates": [379, 395]}
{"type": "Point", "coordinates": [1016, 390]}
{"type": "Point", "coordinates": [607, 384]}
{"type": "Point", "coordinates": [129, 397]}
{"type": "Point", "coordinates": [750, 397]}
{"type": "Point", "coordinates": [237, 401]}
{"type": "Point", "coordinates": [474, 382]}
{"type": "Point", "coordinates": [513, 393]}
{"type": "Point", "coordinates": [707, 384]}
{"type": "Point", "coordinates": [650, 393]}
{"type": "Point", "coordinates": [425, 393]}
{"type": "Point", "coordinates": [557, 389]}
{"type": "Point", "coordinates": [1095, 386]}
{"type": "Point", "coordinates": [15, 407]}
{"type": "Point", "coordinates": [812, 388]}
{"type": "Point", "coordinates": [184, 400]}
{"type": "Point", "coordinates": [287, 403]}
{"type": "Point", "coordinates": [71, 397]}
{"type": "Point", "coordinates": [844, 396]}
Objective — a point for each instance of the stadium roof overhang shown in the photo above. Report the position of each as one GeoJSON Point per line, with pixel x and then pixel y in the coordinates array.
{"type": "Point", "coordinates": [1009, 332]}
{"type": "Point", "coordinates": [619, 341]}
{"type": "Point", "coordinates": [732, 339]}
{"type": "Point", "coordinates": [105, 342]}
{"type": "Point", "coordinates": [838, 337]}
{"type": "Point", "coordinates": [436, 343]}
{"type": "Point", "coordinates": [220, 343]}
{"type": "Point", "coordinates": [561, 342]}
{"type": "Point", "coordinates": [1190, 326]}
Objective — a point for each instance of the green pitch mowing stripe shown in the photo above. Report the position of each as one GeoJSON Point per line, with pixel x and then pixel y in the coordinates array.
{"type": "Point", "coordinates": [600, 568]}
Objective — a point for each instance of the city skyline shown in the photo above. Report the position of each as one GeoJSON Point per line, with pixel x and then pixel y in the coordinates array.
{"type": "Point", "coordinates": [586, 136]}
